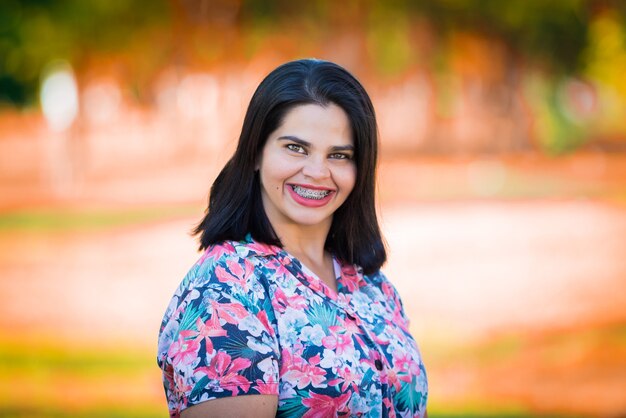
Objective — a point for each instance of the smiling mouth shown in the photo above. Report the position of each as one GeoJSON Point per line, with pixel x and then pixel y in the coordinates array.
{"type": "Point", "coordinates": [310, 193]}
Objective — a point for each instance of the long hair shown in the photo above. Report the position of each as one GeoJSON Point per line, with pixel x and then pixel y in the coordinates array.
{"type": "Point", "coordinates": [235, 206]}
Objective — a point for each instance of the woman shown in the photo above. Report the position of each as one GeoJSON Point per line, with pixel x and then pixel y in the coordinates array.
{"type": "Point", "coordinates": [287, 305]}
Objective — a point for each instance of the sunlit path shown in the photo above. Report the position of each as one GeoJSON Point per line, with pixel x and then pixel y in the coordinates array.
{"type": "Point", "coordinates": [470, 268]}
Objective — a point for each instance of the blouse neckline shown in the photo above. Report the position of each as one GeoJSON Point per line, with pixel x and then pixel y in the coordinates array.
{"type": "Point", "coordinates": [348, 277]}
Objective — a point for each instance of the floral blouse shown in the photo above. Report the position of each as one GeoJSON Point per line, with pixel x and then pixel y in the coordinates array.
{"type": "Point", "coordinates": [251, 319]}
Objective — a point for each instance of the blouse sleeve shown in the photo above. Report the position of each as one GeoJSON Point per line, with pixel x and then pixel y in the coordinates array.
{"type": "Point", "coordinates": [218, 337]}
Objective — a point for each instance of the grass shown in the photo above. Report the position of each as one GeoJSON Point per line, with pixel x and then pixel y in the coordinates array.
{"type": "Point", "coordinates": [44, 378]}
{"type": "Point", "coordinates": [88, 219]}
{"type": "Point", "coordinates": [588, 355]}
{"type": "Point", "coordinates": [104, 412]}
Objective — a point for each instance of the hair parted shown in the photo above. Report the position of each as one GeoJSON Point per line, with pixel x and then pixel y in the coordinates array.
{"type": "Point", "coordinates": [235, 206]}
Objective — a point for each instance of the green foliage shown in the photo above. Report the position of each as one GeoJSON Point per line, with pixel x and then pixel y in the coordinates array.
{"type": "Point", "coordinates": [141, 38]}
{"type": "Point", "coordinates": [292, 407]}
{"type": "Point", "coordinates": [554, 32]}
{"type": "Point", "coordinates": [68, 220]}
{"type": "Point", "coordinates": [199, 387]}
{"type": "Point", "coordinates": [35, 32]}
{"type": "Point", "coordinates": [408, 397]}
{"type": "Point", "coordinates": [49, 359]}
{"type": "Point", "coordinates": [190, 319]}
{"type": "Point", "coordinates": [236, 345]}
{"type": "Point", "coordinates": [41, 411]}
{"type": "Point", "coordinates": [389, 39]}
{"type": "Point", "coordinates": [40, 370]}
{"type": "Point", "coordinates": [321, 314]}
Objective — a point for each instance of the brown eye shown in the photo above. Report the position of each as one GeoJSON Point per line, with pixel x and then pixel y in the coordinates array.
{"type": "Point", "coordinates": [296, 148]}
{"type": "Point", "coordinates": [340, 156]}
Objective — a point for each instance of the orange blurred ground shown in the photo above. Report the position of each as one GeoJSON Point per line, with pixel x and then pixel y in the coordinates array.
{"type": "Point", "coordinates": [515, 301]}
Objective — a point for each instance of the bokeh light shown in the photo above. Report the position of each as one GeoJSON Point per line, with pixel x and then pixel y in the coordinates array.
{"type": "Point", "coordinates": [59, 97]}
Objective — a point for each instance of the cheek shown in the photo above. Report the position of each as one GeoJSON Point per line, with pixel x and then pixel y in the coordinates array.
{"type": "Point", "coordinates": [277, 171]}
{"type": "Point", "coordinates": [346, 178]}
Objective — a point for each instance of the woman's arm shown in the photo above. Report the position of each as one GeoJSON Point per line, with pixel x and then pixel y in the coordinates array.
{"type": "Point", "coordinates": [246, 406]}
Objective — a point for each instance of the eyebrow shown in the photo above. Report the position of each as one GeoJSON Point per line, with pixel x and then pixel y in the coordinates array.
{"type": "Point", "coordinates": [308, 144]}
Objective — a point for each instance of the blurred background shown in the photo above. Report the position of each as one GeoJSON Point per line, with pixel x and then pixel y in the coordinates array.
{"type": "Point", "coordinates": [502, 187]}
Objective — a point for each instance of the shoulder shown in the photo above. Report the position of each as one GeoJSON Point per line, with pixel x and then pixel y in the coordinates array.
{"type": "Point", "coordinates": [226, 282]}
{"type": "Point", "coordinates": [226, 273]}
{"type": "Point", "coordinates": [377, 279]}
{"type": "Point", "coordinates": [388, 290]}
{"type": "Point", "coordinates": [225, 260]}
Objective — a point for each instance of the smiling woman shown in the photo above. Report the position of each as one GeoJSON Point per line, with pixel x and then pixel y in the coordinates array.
{"type": "Point", "coordinates": [287, 304]}
{"type": "Point", "coordinates": [304, 178]}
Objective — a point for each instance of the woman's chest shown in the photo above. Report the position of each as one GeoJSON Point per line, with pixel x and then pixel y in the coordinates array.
{"type": "Point", "coordinates": [348, 353]}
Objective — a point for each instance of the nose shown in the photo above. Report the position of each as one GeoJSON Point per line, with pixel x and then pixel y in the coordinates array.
{"type": "Point", "coordinates": [316, 168]}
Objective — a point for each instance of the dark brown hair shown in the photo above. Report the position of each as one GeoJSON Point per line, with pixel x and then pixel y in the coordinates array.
{"type": "Point", "coordinates": [235, 207]}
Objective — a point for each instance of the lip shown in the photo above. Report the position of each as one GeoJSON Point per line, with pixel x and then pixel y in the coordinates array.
{"type": "Point", "coordinates": [312, 203]}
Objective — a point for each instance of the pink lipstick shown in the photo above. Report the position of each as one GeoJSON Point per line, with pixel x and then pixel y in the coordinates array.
{"type": "Point", "coordinates": [310, 196]}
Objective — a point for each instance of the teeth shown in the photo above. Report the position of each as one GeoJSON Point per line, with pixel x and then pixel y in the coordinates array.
{"type": "Point", "coordinates": [309, 193]}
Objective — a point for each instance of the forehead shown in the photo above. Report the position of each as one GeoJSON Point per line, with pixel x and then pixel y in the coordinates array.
{"type": "Point", "coordinates": [317, 124]}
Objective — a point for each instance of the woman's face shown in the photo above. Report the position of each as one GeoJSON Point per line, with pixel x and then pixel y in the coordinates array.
{"type": "Point", "coordinates": [307, 167]}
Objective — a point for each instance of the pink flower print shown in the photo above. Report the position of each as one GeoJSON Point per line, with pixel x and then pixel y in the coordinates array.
{"type": "Point", "coordinates": [407, 365]}
{"type": "Point", "coordinates": [225, 277]}
{"type": "Point", "coordinates": [399, 319]}
{"type": "Point", "coordinates": [267, 388]}
{"type": "Point", "coordinates": [392, 411]}
{"type": "Point", "coordinates": [392, 379]}
{"type": "Point", "coordinates": [229, 312]}
{"type": "Point", "coordinates": [312, 375]}
{"type": "Point", "coordinates": [280, 267]}
{"type": "Point", "coordinates": [380, 340]}
{"type": "Point", "coordinates": [183, 384]}
{"type": "Point", "coordinates": [350, 278]}
{"type": "Point", "coordinates": [315, 285]}
{"type": "Point", "coordinates": [262, 316]}
{"type": "Point", "coordinates": [282, 301]}
{"type": "Point", "coordinates": [183, 351]}
{"type": "Point", "coordinates": [388, 291]}
{"type": "Point", "coordinates": [349, 379]}
{"type": "Point", "coordinates": [225, 371]}
{"type": "Point", "coordinates": [351, 326]}
{"type": "Point", "coordinates": [215, 252]}
{"type": "Point", "coordinates": [206, 330]}
{"type": "Point", "coordinates": [341, 343]}
{"type": "Point", "coordinates": [302, 373]}
{"type": "Point", "coordinates": [168, 373]}
{"type": "Point", "coordinates": [315, 360]}
{"type": "Point", "coordinates": [279, 301]}
{"type": "Point", "coordinates": [261, 248]}
{"type": "Point", "coordinates": [286, 362]}
{"type": "Point", "coordinates": [322, 406]}
{"type": "Point", "coordinates": [405, 362]}
{"type": "Point", "coordinates": [401, 361]}
{"type": "Point", "coordinates": [236, 269]}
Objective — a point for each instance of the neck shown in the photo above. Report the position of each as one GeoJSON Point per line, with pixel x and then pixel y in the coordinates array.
{"type": "Point", "coordinates": [305, 243]}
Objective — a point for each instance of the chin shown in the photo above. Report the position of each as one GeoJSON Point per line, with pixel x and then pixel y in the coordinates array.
{"type": "Point", "coordinates": [310, 220]}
